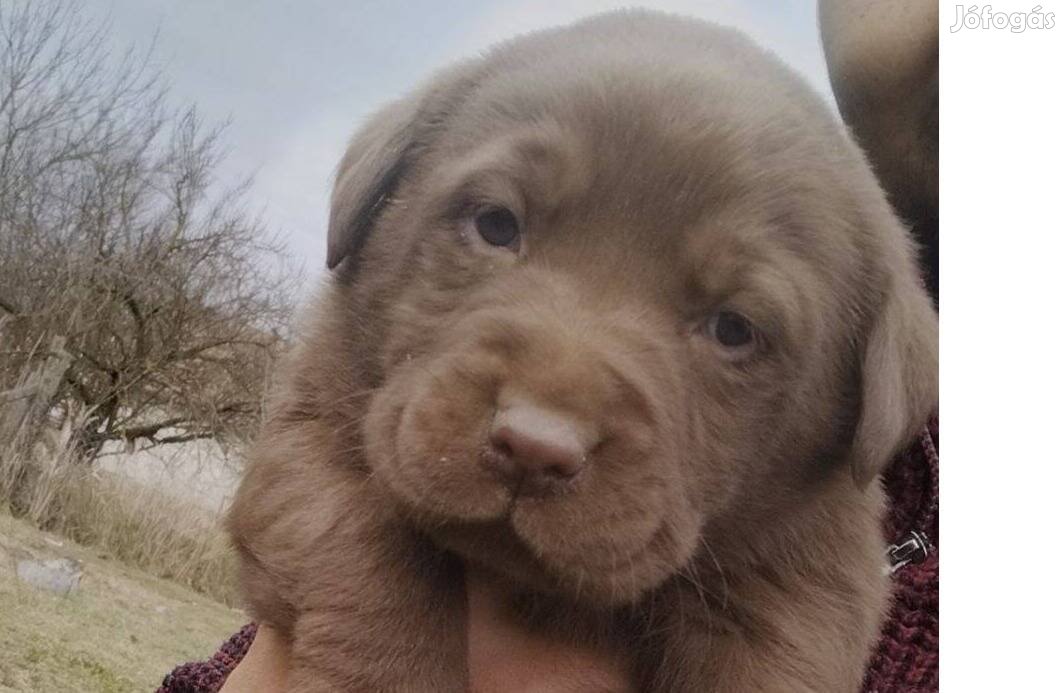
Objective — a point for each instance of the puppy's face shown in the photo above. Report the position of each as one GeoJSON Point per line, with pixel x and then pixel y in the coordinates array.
{"type": "Point", "coordinates": [608, 329]}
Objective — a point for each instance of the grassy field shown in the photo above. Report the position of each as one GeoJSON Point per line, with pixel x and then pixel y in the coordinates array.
{"type": "Point", "coordinates": [121, 631]}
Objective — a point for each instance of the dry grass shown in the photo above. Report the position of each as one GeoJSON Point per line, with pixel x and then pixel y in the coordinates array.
{"type": "Point", "coordinates": [136, 524]}
{"type": "Point", "coordinates": [147, 529]}
{"type": "Point", "coordinates": [119, 633]}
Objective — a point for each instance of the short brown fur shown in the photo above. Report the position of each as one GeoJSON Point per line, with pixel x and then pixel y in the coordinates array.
{"type": "Point", "coordinates": [725, 532]}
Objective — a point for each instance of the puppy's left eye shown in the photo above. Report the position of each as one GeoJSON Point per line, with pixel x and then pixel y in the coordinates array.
{"type": "Point", "coordinates": [730, 329]}
{"type": "Point", "coordinates": [497, 226]}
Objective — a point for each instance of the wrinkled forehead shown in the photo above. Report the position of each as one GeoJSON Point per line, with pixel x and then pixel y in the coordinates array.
{"type": "Point", "coordinates": [715, 184]}
{"type": "Point", "coordinates": [629, 145]}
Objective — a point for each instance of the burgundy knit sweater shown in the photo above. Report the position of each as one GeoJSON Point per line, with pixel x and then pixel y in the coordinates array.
{"type": "Point", "coordinates": [906, 660]}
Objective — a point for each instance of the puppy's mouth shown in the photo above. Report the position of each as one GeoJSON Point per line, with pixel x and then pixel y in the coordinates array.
{"type": "Point", "coordinates": [585, 534]}
{"type": "Point", "coordinates": [579, 537]}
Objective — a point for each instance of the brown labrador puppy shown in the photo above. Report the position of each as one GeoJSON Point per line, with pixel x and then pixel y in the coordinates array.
{"type": "Point", "coordinates": [620, 316]}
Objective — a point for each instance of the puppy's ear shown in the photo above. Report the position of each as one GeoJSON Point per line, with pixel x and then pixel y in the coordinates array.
{"type": "Point", "coordinates": [899, 373]}
{"type": "Point", "coordinates": [379, 154]}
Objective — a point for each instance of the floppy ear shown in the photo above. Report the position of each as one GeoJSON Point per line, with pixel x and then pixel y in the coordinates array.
{"type": "Point", "coordinates": [899, 374]}
{"type": "Point", "coordinates": [379, 154]}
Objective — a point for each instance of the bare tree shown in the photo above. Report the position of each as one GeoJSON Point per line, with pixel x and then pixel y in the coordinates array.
{"type": "Point", "coordinates": [172, 297]}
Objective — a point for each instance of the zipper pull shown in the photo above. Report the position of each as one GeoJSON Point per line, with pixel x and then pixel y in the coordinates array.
{"type": "Point", "coordinates": [914, 550]}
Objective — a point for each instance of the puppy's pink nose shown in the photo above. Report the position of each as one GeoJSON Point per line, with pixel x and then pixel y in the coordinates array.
{"type": "Point", "coordinates": [535, 449]}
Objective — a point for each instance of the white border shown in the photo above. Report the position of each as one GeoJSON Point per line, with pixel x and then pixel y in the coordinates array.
{"type": "Point", "coordinates": [1002, 592]}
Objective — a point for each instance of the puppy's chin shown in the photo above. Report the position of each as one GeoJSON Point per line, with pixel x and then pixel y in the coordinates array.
{"type": "Point", "coordinates": [621, 526]}
{"type": "Point", "coordinates": [599, 578]}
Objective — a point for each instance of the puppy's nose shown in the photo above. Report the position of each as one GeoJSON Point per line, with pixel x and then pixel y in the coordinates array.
{"type": "Point", "coordinates": [536, 450]}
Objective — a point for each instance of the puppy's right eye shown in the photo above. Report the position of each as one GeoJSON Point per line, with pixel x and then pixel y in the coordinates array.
{"type": "Point", "coordinates": [732, 331]}
{"type": "Point", "coordinates": [497, 226]}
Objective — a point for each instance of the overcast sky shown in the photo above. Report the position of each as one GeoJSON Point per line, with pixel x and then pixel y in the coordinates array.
{"type": "Point", "coordinates": [296, 77]}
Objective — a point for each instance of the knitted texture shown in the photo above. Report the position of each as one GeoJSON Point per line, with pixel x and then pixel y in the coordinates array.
{"type": "Point", "coordinates": [906, 660]}
{"type": "Point", "coordinates": [208, 677]}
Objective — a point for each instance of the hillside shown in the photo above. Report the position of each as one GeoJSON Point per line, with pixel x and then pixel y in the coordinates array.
{"type": "Point", "coordinates": [121, 631]}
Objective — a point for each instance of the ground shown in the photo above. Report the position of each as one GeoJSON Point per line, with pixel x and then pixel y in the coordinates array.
{"type": "Point", "coordinates": [123, 630]}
